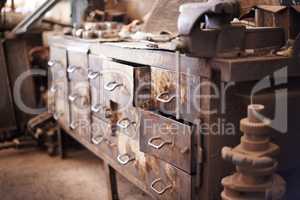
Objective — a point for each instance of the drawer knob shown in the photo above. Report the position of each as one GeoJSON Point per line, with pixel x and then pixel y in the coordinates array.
{"type": "Point", "coordinates": [125, 159]}
{"type": "Point", "coordinates": [160, 145]}
{"type": "Point", "coordinates": [162, 191]}
{"type": "Point", "coordinates": [111, 86]}
{"type": "Point", "coordinates": [72, 68]}
{"type": "Point", "coordinates": [165, 97]}
{"type": "Point", "coordinates": [92, 75]}
{"type": "Point", "coordinates": [97, 139]}
{"type": "Point", "coordinates": [73, 98]}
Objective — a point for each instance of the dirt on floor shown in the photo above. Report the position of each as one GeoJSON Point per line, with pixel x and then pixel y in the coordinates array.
{"type": "Point", "coordinates": [30, 174]}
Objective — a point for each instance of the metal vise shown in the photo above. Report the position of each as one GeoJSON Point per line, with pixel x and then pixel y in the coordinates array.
{"type": "Point", "coordinates": [205, 30]}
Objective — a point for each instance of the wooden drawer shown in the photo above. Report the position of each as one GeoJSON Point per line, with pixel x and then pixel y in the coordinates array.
{"type": "Point", "coordinates": [80, 109]}
{"type": "Point", "coordinates": [103, 137]}
{"type": "Point", "coordinates": [127, 85]}
{"type": "Point", "coordinates": [168, 140]}
{"type": "Point", "coordinates": [58, 89]}
{"type": "Point", "coordinates": [100, 106]}
{"type": "Point", "coordinates": [77, 66]}
{"type": "Point", "coordinates": [166, 182]}
{"type": "Point", "coordinates": [164, 93]}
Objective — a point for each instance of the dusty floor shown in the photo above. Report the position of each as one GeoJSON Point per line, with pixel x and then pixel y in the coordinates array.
{"type": "Point", "coordinates": [32, 175]}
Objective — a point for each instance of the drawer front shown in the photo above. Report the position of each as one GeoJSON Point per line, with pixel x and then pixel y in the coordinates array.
{"type": "Point", "coordinates": [164, 93]}
{"type": "Point", "coordinates": [58, 90]}
{"type": "Point", "coordinates": [166, 182]}
{"type": "Point", "coordinates": [127, 85]}
{"type": "Point", "coordinates": [80, 114]}
{"type": "Point", "coordinates": [168, 140]}
{"type": "Point", "coordinates": [103, 137]}
{"type": "Point", "coordinates": [100, 106]}
{"type": "Point", "coordinates": [77, 66]}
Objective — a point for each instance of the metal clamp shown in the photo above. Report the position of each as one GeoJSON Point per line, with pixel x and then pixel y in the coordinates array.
{"type": "Point", "coordinates": [160, 192]}
{"type": "Point", "coordinates": [124, 123]}
{"type": "Point", "coordinates": [162, 100]}
{"type": "Point", "coordinates": [111, 86]}
{"type": "Point", "coordinates": [96, 108]}
{"type": "Point", "coordinates": [92, 75]}
{"type": "Point", "coordinates": [72, 98]}
{"type": "Point", "coordinates": [97, 139]}
{"type": "Point", "coordinates": [159, 146]}
{"type": "Point", "coordinates": [72, 68]}
{"type": "Point", "coordinates": [124, 159]}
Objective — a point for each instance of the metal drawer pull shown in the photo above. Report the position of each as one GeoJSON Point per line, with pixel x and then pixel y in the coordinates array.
{"type": "Point", "coordinates": [162, 100]}
{"type": "Point", "coordinates": [124, 159]}
{"type": "Point", "coordinates": [52, 63]}
{"type": "Point", "coordinates": [111, 86]}
{"type": "Point", "coordinates": [72, 68]}
{"type": "Point", "coordinates": [93, 75]}
{"type": "Point", "coordinates": [54, 88]}
{"type": "Point", "coordinates": [96, 108]}
{"type": "Point", "coordinates": [124, 123]}
{"type": "Point", "coordinates": [160, 192]}
{"type": "Point", "coordinates": [73, 125]}
{"type": "Point", "coordinates": [98, 139]}
{"type": "Point", "coordinates": [56, 116]}
{"type": "Point", "coordinates": [158, 146]}
{"type": "Point", "coordinates": [72, 98]}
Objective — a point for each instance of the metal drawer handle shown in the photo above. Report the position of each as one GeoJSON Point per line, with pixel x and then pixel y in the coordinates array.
{"type": "Point", "coordinates": [73, 98]}
{"type": "Point", "coordinates": [158, 146]}
{"type": "Point", "coordinates": [163, 100]}
{"type": "Point", "coordinates": [124, 123]}
{"type": "Point", "coordinates": [56, 116]}
{"type": "Point", "coordinates": [111, 86]}
{"type": "Point", "coordinates": [54, 88]}
{"type": "Point", "coordinates": [159, 192]}
{"type": "Point", "coordinates": [92, 75]}
{"type": "Point", "coordinates": [124, 159]}
{"type": "Point", "coordinates": [72, 68]}
{"type": "Point", "coordinates": [73, 125]}
{"type": "Point", "coordinates": [96, 108]}
{"type": "Point", "coordinates": [52, 63]}
{"type": "Point", "coordinates": [98, 139]}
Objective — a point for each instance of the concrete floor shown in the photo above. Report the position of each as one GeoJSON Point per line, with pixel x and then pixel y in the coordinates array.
{"type": "Point", "coordinates": [32, 175]}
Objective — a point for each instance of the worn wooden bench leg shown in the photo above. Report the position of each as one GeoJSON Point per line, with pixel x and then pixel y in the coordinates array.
{"type": "Point", "coordinates": [111, 180]}
{"type": "Point", "coordinates": [61, 144]}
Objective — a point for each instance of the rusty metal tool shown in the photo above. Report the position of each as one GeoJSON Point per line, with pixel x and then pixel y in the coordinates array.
{"type": "Point", "coordinates": [255, 178]}
{"type": "Point", "coordinates": [206, 30]}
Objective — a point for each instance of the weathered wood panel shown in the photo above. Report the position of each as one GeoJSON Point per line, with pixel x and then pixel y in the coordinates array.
{"type": "Point", "coordinates": [6, 102]}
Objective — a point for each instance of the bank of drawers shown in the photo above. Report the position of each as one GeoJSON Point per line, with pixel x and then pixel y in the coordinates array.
{"type": "Point", "coordinates": [105, 103]}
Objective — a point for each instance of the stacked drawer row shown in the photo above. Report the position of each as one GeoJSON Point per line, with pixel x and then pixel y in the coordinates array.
{"type": "Point", "coordinates": [114, 106]}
